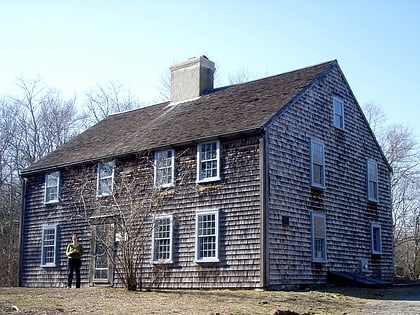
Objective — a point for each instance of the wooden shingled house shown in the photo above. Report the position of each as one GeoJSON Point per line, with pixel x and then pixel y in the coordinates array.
{"type": "Point", "coordinates": [270, 183]}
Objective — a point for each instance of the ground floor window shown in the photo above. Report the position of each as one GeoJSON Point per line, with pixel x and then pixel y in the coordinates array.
{"type": "Point", "coordinates": [48, 246]}
{"type": "Point", "coordinates": [207, 236]}
{"type": "Point", "coordinates": [376, 240]}
{"type": "Point", "coordinates": [162, 239]}
{"type": "Point", "coordinates": [319, 242]}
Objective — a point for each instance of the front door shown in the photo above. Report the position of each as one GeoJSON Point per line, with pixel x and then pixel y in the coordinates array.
{"type": "Point", "coordinates": [102, 264]}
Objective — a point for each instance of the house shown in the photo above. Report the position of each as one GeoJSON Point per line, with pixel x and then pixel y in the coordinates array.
{"type": "Point", "coordinates": [265, 184]}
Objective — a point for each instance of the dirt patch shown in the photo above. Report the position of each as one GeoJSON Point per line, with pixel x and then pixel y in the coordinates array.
{"type": "Point", "coordinates": [325, 301]}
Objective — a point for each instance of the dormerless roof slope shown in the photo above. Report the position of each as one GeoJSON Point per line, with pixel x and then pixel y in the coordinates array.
{"type": "Point", "coordinates": [238, 108]}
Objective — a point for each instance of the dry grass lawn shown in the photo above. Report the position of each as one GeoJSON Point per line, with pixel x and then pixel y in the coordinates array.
{"type": "Point", "coordinates": [223, 302]}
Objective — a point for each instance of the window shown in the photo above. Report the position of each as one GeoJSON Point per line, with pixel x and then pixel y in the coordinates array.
{"type": "Point", "coordinates": [207, 236]}
{"type": "Point", "coordinates": [317, 164]}
{"type": "Point", "coordinates": [48, 246]}
{"type": "Point", "coordinates": [162, 239]}
{"type": "Point", "coordinates": [372, 181]}
{"type": "Point", "coordinates": [52, 186]}
{"type": "Point", "coordinates": [376, 239]}
{"type": "Point", "coordinates": [208, 161]}
{"type": "Point", "coordinates": [164, 168]}
{"type": "Point", "coordinates": [105, 179]}
{"type": "Point", "coordinates": [338, 113]}
{"type": "Point", "coordinates": [319, 242]}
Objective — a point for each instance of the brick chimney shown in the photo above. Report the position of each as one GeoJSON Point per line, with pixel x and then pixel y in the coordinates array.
{"type": "Point", "coordinates": [191, 78]}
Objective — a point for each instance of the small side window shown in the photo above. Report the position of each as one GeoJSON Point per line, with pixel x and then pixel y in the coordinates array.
{"type": "Point", "coordinates": [317, 171]}
{"type": "Point", "coordinates": [376, 238]}
{"type": "Point", "coordinates": [319, 238]}
{"type": "Point", "coordinates": [372, 181]}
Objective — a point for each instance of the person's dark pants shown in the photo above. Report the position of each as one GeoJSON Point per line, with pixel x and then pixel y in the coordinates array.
{"type": "Point", "coordinates": [74, 266]}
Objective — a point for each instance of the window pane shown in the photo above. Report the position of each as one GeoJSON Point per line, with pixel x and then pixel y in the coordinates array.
{"type": "Point", "coordinates": [164, 167]}
{"type": "Point", "coordinates": [208, 160]}
{"type": "Point", "coordinates": [162, 239]}
{"type": "Point", "coordinates": [207, 236]}
{"type": "Point", "coordinates": [48, 246]}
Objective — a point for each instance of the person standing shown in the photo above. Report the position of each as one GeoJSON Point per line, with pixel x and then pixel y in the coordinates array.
{"type": "Point", "coordinates": [74, 252]}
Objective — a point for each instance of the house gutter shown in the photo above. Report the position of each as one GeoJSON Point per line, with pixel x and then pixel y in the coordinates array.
{"type": "Point", "coordinates": [21, 228]}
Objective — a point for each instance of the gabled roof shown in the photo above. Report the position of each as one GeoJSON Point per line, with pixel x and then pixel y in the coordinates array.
{"type": "Point", "coordinates": [234, 109]}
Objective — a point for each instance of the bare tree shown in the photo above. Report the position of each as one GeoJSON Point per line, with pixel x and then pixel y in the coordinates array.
{"type": "Point", "coordinates": [105, 99]}
{"type": "Point", "coordinates": [33, 122]}
{"type": "Point", "coordinates": [403, 154]}
{"type": "Point", "coordinates": [122, 224]}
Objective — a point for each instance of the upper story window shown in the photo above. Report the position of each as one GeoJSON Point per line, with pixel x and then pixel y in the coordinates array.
{"type": "Point", "coordinates": [208, 161]}
{"type": "Point", "coordinates": [162, 239]}
{"type": "Point", "coordinates": [372, 180]}
{"type": "Point", "coordinates": [319, 238]}
{"type": "Point", "coordinates": [164, 168]}
{"type": "Point", "coordinates": [376, 238]}
{"type": "Point", "coordinates": [52, 187]}
{"type": "Point", "coordinates": [317, 164]}
{"type": "Point", "coordinates": [49, 246]}
{"type": "Point", "coordinates": [207, 236]}
{"type": "Point", "coordinates": [105, 179]}
{"type": "Point", "coordinates": [338, 106]}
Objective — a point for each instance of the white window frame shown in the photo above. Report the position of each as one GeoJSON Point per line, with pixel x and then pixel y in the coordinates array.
{"type": "Point", "coordinates": [372, 181]}
{"type": "Point", "coordinates": [199, 257]}
{"type": "Point", "coordinates": [318, 161]}
{"type": "Point", "coordinates": [376, 238]}
{"type": "Point", "coordinates": [338, 109]}
{"type": "Point", "coordinates": [201, 162]}
{"type": "Point", "coordinates": [156, 238]}
{"type": "Point", "coordinates": [169, 168]}
{"type": "Point", "coordinates": [49, 250]}
{"type": "Point", "coordinates": [52, 188]}
{"type": "Point", "coordinates": [318, 235]}
{"type": "Point", "coordinates": [99, 192]}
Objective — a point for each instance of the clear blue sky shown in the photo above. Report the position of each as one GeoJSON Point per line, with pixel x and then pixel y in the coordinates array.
{"type": "Point", "coordinates": [76, 44]}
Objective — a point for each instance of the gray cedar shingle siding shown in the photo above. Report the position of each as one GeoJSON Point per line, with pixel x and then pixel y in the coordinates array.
{"type": "Point", "coordinates": [264, 128]}
{"type": "Point", "coordinates": [343, 201]}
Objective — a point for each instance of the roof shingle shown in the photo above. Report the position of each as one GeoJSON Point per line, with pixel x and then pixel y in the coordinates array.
{"type": "Point", "coordinates": [238, 108]}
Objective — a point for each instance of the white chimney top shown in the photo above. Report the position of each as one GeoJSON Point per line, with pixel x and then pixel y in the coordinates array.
{"type": "Point", "coordinates": [191, 78]}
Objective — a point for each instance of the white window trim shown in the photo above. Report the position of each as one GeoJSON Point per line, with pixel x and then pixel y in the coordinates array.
{"type": "Point", "coordinates": [374, 163]}
{"type": "Point", "coordinates": [340, 101]}
{"type": "Point", "coordinates": [57, 173]}
{"type": "Point", "coordinates": [198, 259]}
{"type": "Point", "coordinates": [44, 228]}
{"type": "Point", "coordinates": [208, 179]}
{"type": "Point", "coordinates": [312, 183]}
{"type": "Point", "coordinates": [172, 183]}
{"type": "Point", "coordinates": [102, 194]}
{"type": "Point", "coordinates": [316, 259]}
{"type": "Point", "coordinates": [169, 260]}
{"type": "Point", "coordinates": [374, 225]}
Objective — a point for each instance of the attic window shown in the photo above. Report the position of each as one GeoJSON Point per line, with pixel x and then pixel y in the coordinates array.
{"type": "Point", "coordinates": [338, 107]}
{"type": "Point", "coordinates": [105, 179]}
{"type": "Point", "coordinates": [208, 161]}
